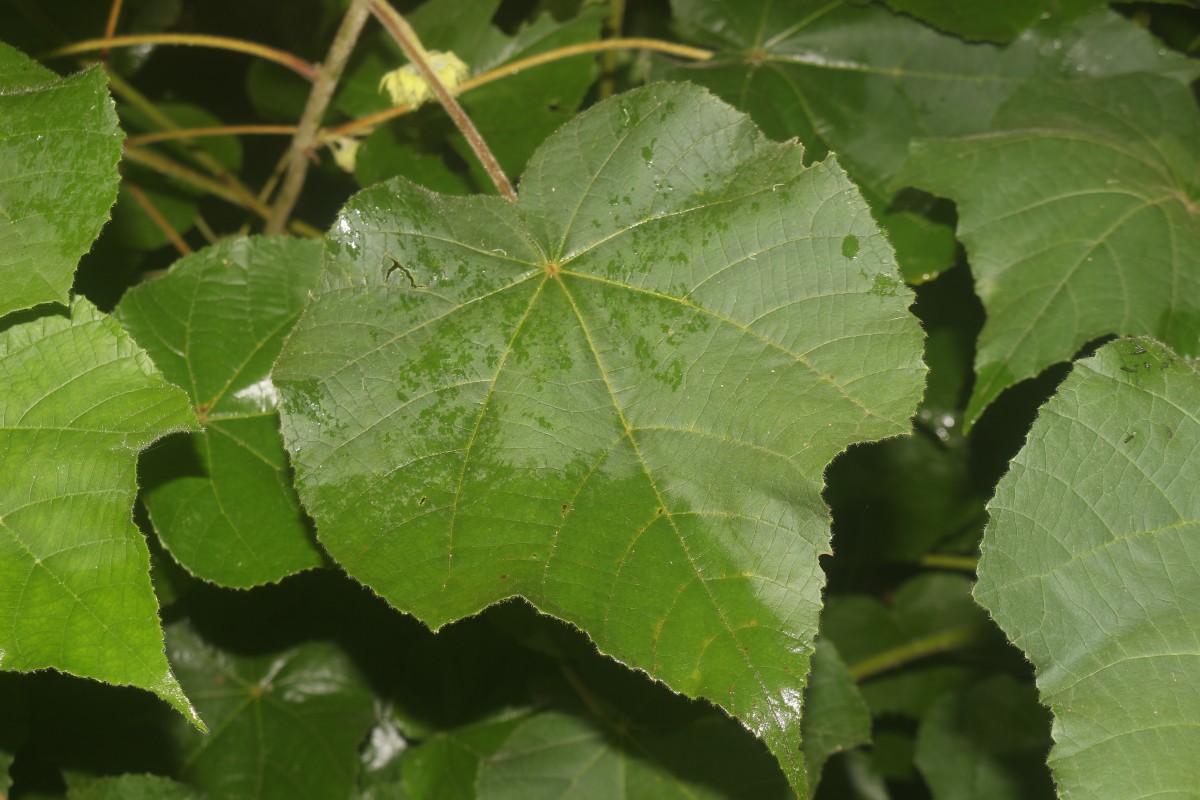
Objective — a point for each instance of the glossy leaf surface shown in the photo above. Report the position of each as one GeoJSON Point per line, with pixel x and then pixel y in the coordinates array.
{"type": "Point", "coordinates": [615, 397]}
{"type": "Point", "coordinates": [221, 499]}
{"type": "Point", "coordinates": [1095, 227]}
{"type": "Point", "coordinates": [59, 147]}
{"type": "Point", "coordinates": [285, 724]}
{"type": "Point", "coordinates": [1090, 565]}
{"type": "Point", "coordinates": [79, 401]}
{"type": "Point", "coordinates": [862, 81]}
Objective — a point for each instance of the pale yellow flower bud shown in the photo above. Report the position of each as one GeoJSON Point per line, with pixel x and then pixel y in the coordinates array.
{"type": "Point", "coordinates": [407, 88]}
{"type": "Point", "coordinates": [345, 151]}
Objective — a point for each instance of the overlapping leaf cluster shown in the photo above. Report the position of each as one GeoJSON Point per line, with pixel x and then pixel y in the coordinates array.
{"type": "Point", "coordinates": [617, 399]}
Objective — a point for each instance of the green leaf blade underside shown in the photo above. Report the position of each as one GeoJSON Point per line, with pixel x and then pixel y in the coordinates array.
{"type": "Point", "coordinates": [615, 398]}
{"type": "Point", "coordinates": [79, 401]}
{"type": "Point", "coordinates": [862, 81]}
{"type": "Point", "coordinates": [222, 499]}
{"type": "Point", "coordinates": [58, 176]}
{"type": "Point", "coordinates": [1080, 211]}
{"type": "Point", "coordinates": [1090, 565]}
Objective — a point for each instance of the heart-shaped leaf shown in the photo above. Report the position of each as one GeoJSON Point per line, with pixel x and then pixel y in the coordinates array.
{"type": "Point", "coordinates": [222, 500]}
{"type": "Point", "coordinates": [1090, 565]}
{"type": "Point", "coordinates": [58, 177]}
{"type": "Point", "coordinates": [78, 400]}
{"type": "Point", "coordinates": [615, 397]}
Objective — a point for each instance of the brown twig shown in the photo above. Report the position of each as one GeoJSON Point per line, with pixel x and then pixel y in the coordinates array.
{"type": "Point", "coordinates": [217, 130]}
{"type": "Point", "coordinates": [406, 37]}
{"type": "Point", "coordinates": [160, 222]}
{"type": "Point", "coordinates": [110, 27]}
{"type": "Point", "coordinates": [328, 74]}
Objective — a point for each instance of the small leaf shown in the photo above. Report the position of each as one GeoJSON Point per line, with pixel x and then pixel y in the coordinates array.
{"type": "Point", "coordinates": [286, 724]}
{"type": "Point", "coordinates": [58, 177]}
{"type": "Point", "coordinates": [221, 499]}
{"type": "Point", "coordinates": [79, 401]}
{"type": "Point", "coordinates": [1080, 210]}
{"type": "Point", "coordinates": [615, 398]}
{"type": "Point", "coordinates": [14, 725]}
{"type": "Point", "coordinates": [1090, 565]}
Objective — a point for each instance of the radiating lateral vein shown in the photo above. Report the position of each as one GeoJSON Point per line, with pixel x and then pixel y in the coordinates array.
{"type": "Point", "coordinates": [604, 454]}
{"type": "Point", "coordinates": [483, 409]}
{"type": "Point", "coordinates": [617, 145]}
{"type": "Point", "coordinates": [734, 323]}
{"type": "Point", "coordinates": [667, 513]}
{"type": "Point", "coordinates": [1062, 283]}
{"type": "Point", "coordinates": [425, 324]}
{"type": "Point", "coordinates": [37, 562]}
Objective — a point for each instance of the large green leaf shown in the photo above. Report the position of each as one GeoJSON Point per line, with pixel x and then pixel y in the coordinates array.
{"type": "Point", "coordinates": [221, 499]}
{"type": "Point", "coordinates": [79, 400]}
{"type": "Point", "coordinates": [59, 147]}
{"type": "Point", "coordinates": [862, 82]}
{"type": "Point", "coordinates": [1090, 565]}
{"type": "Point", "coordinates": [615, 397]}
{"type": "Point", "coordinates": [285, 724]}
{"type": "Point", "coordinates": [1081, 213]}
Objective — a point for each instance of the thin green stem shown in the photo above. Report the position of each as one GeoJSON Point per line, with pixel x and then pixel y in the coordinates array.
{"type": "Point", "coordinates": [294, 63]}
{"type": "Point", "coordinates": [407, 38]}
{"type": "Point", "coordinates": [946, 561]}
{"type": "Point", "coordinates": [328, 74]}
{"type": "Point", "coordinates": [550, 56]}
{"type": "Point", "coordinates": [915, 650]}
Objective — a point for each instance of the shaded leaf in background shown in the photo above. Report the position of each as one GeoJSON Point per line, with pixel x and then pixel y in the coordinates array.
{"type": "Point", "coordinates": [14, 724]}
{"type": "Point", "coordinates": [514, 115]}
{"type": "Point", "coordinates": [836, 717]}
{"type": "Point", "coordinates": [615, 398]}
{"type": "Point", "coordinates": [1095, 229]}
{"type": "Point", "coordinates": [221, 499]}
{"type": "Point", "coordinates": [1090, 565]}
{"type": "Point", "coordinates": [987, 741]}
{"type": "Point", "coordinates": [557, 755]}
{"type": "Point", "coordinates": [80, 399]}
{"type": "Point", "coordinates": [134, 787]}
{"type": "Point", "coordinates": [176, 200]}
{"type": "Point", "coordinates": [862, 81]}
{"type": "Point", "coordinates": [285, 724]}
{"type": "Point", "coordinates": [930, 614]}
{"type": "Point", "coordinates": [985, 20]}
{"type": "Point", "coordinates": [58, 176]}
